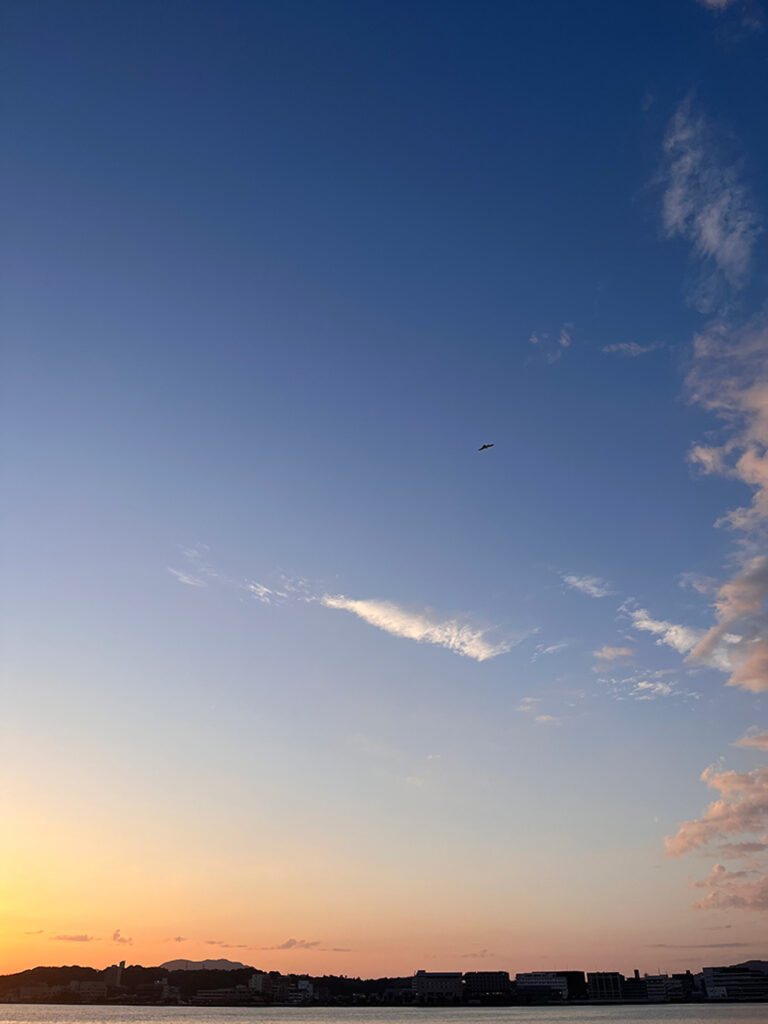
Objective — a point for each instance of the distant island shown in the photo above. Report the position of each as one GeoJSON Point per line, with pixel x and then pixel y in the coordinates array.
{"type": "Point", "coordinates": [230, 983]}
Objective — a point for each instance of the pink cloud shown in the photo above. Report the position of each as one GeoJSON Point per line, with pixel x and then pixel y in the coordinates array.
{"type": "Point", "coordinates": [737, 896]}
{"type": "Point", "coordinates": [743, 807]}
{"type": "Point", "coordinates": [754, 738]}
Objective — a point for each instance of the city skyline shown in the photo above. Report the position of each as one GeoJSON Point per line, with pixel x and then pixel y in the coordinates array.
{"type": "Point", "coordinates": [385, 450]}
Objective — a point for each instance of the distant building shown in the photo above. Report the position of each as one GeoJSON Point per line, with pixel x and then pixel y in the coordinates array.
{"type": "Point", "coordinates": [113, 976]}
{"type": "Point", "coordinates": [738, 982]}
{"type": "Point", "coordinates": [605, 986]}
{"type": "Point", "coordinates": [433, 986]}
{"type": "Point", "coordinates": [486, 984]}
{"type": "Point", "coordinates": [555, 984]}
{"type": "Point", "coordinates": [577, 983]}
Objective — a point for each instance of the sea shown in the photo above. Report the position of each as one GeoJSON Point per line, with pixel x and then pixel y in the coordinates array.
{"type": "Point", "coordinates": [697, 1013]}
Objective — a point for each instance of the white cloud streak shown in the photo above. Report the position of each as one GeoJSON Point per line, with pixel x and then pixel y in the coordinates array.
{"type": "Point", "coordinates": [424, 627]}
{"type": "Point", "coordinates": [186, 578]}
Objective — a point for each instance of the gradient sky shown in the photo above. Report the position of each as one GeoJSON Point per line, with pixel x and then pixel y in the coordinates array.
{"type": "Point", "coordinates": [291, 673]}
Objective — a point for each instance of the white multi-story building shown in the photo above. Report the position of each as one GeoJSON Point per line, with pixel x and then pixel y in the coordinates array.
{"type": "Point", "coordinates": [543, 979]}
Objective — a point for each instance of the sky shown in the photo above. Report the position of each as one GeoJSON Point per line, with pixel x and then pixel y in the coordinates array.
{"type": "Point", "coordinates": [292, 673]}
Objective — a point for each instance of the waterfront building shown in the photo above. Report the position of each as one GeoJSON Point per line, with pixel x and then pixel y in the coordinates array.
{"type": "Point", "coordinates": [437, 986]}
{"type": "Point", "coordinates": [556, 984]}
{"type": "Point", "coordinates": [486, 984]}
{"type": "Point", "coordinates": [605, 986]}
{"type": "Point", "coordinates": [738, 982]}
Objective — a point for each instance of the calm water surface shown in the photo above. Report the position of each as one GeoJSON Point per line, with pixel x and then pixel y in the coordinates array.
{"type": "Point", "coordinates": [755, 1013]}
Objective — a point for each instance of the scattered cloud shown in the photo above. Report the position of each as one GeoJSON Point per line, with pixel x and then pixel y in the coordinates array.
{"type": "Point", "coordinates": [606, 653]}
{"type": "Point", "coordinates": [481, 954]}
{"type": "Point", "coordinates": [552, 346]}
{"type": "Point", "coordinates": [424, 627]}
{"type": "Point", "coordinates": [630, 349]}
{"type": "Point", "coordinates": [591, 585]}
{"type": "Point", "coordinates": [179, 938]}
{"type": "Point", "coordinates": [117, 937]}
{"type": "Point", "coordinates": [650, 691]}
{"type": "Point", "coordinates": [73, 938]}
{"type": "Point", "coordinates": [647, 686]}
{"type": "Point", "coordinates": [297, 944]}
{"type": "Point", "coordinates": [265, 594]}
{"type": "Point", "coordinates": [706, 204]}
{"type": "Point", "coordinates": [547, 720]}
{"type": "Point", "coordinates": [528, 704]}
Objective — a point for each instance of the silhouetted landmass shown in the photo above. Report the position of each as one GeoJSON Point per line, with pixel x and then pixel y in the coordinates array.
{"type": "Point", "coordinates": [202, 965]}
{"type": "Point", "coordinates": [238, 985]}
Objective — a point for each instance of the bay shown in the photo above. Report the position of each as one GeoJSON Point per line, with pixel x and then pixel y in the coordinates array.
{"type": "Point", "coordinates": [696, 1013]}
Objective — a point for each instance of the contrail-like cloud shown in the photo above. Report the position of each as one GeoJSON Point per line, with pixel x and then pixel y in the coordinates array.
{"type": "Point", "coordinates": [424, 627]}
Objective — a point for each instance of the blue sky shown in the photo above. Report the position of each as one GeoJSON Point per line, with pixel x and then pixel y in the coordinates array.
{"type": "Point", "coordinates": [273, 272]}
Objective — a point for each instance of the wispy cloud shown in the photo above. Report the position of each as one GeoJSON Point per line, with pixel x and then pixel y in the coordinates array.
{"type": "Point", "coordinates": [73, 938]}
{"type": "Point", "coordinates": [425, 627]}
{"type": "Point", "coordinates": [754, 739]}
{"type": "Point", "coordinates": [716, 5]}
{"type": "Point", "coordinates": [591, 585]}
{"type": "Point", "coordinates": [706, 204]}
{"type": "Point", "coordinates": [700, 945]}
{"type": "Point", "coordinates": [543, 649]}
{"type": "Point", "coordinates": [738, 851]}
{"type": "Point", "coordinates": [729, 376]}
{"type": "Point", "coordinates": [187, 578]}
{"type": "Point", "coordinates": [682, 639]}
{"type": "Point", "coordinates": [39, 931]}
{"type": "Point", "coordinates": [630, 349]}
{"type": "Point", "coordinates": [297, 944]}
{"type": "Point", "coordinates": [481, 954]}
{"type": "Point", "coordinates": [547, 720]}
{"type": "Point", "coordinates": [606, 653]}
{"type": "Point", "coordinates": [528, 705]}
